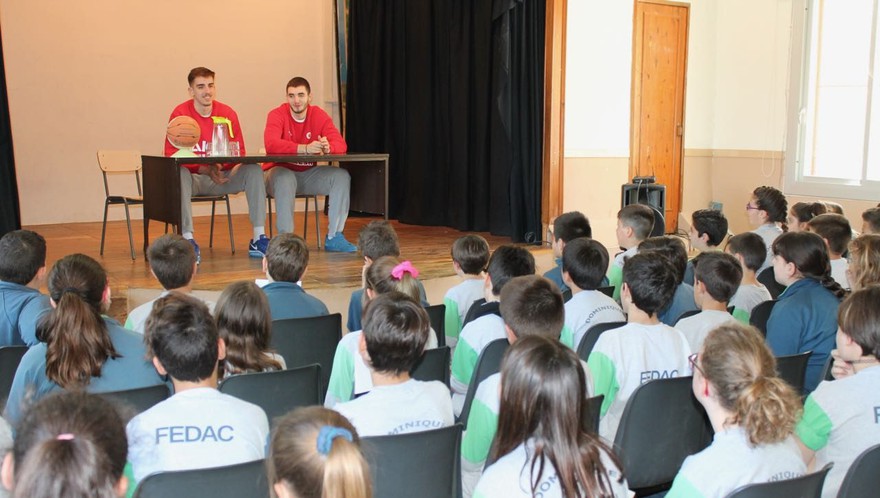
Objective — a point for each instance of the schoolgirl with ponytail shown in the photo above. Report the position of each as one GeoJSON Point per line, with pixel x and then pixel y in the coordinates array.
{"type": "Point", "coordinates": [81, 349]}
{"type": "Point", "coordinates": [767, 210]}
{"type": "Point", "coordinates": [315, 453]}
{"type": "Point", "coordinates": [802, 212]}
{"type": "Point", "coordinates": [803, 318]}
{"type": "Point", "coordinates": [752, 411]}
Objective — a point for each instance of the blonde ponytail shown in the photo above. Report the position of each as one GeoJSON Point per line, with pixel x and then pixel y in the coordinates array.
{"type": "Point", "coordinates": [345, 474]}
{"type": "Point", "coordinates": [767, 410]}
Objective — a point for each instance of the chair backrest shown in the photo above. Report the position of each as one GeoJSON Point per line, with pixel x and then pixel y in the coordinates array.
{"type": "Point", "coordinates": [424, 464]}
{"type": "Point", "coordinates": [826, 369]}
{"type": "Point", "coordinates": [303, 341]}
{"type": "Point", "coordinates": [437, 317]}
{"type": "Point", "coordinates": [760, 315]}
{"type": "Point", "coordinates": [434, 365]}
{"type": "Point", "coordinates": [686, 314]}
{"type": "Point", "coordinates": [10, 357]}
{"type": "Point", "coordinates": [862, 480]}
{"type": "Point", "coordinates": [593, 408]}
{"type": "Point", "coordinates": [566, 295]}
{"type": "Point", "coordinates": [768, 280]}
{"type": "Point", "coordinates": [277, 392]}
{"type": "Point", "coordinates": [608, 291]}
{"type": "Point", "coordinates": [588, 341]}
{"type": "Point", "coordinates": [662, 424]}
{"type": "Point", "coordinates": [120, 161]}
{"type": "Point", "coordinates": [659, 222]}
{"type": "Point", "coordinates": [480, 308]}
{"type": "Point", "coordinates": [793, 368]}
{"type": "Point", "coordinates": [808, 486]}
{"type": "Point", "coordinates": [488, 363]}
{"type": "Point", "coordinates": [141, 399]}
{"type": "Point", "coordinates": [232, 481]}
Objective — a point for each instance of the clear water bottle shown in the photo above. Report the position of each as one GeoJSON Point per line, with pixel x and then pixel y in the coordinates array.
{"type": "Point", "coordinates": [220, 140]}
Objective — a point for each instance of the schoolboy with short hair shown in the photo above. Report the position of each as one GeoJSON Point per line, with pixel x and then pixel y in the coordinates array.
{"type": "Point", "coordinates": [566, 227]}
{"type": "Point", "coordinates": [285, 263]}
{"type": "Point", "coordinates": [837, 234]}
{"type": "Point", "coordinates": [506, 262]}
{"type": "Point", "coordinates": [642, 350]}
{"type": "Point", "coordinates": [395, 334]}
{"type": "Point", "coordinates": [708, 230]}
{"type": "Point", "coordinates": [871, 221]}
{"type": "Point", "coordinates": [470, 255]}
{"type": "Point", "coordinates": [198, 427]}
{"type": "Point", "coordinates": [672, 248]}
{"type": "Point", "coordinates": [174, 263]}
{"type": "Point", "coordinates": [22, 271]}
{"type": "Point", "coordinates": [634, 224]}
{"type": "Point", "coordinates": [583, 268]}
{"type": "Point", "coordinates": [748, 248]}
{"type": "Point", "coordinates": [717, 277]}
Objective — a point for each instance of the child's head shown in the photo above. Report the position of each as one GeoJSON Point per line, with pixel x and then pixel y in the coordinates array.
{"type": "Point", "coordinates": [68, 445]}
{"type": "Point", "coordinates": [750, 249]}
{"type": "Point", "coordinates": [741, 374]}
{"type": "Point", "coordinates": [508, 262]}
{"type": "Point", "coordinates": [802, 212]}
{"type": "Point", "coordinates": [585, 261]}
{"type": "Point", "coordinates": [315, 453]}
{"type": "Point", "coordinates": [648, 283]}
{"type": "Point", "coordinates": [708, 228]}
{"type": "Point", "coordinates": [870, 221]}
{"type": "Point", "coordinates": [181, 336]}
{"type": "Point", "coordinates": [634, 224]}
{"type": "Point", "coordinates": [172, 261]}
{"type": "Point", "coordinates": [833, 207]}
{"type": "Point", "coordinates": [717, 275]}
{"type": "Point", "coordinates": [767, 205]}
{"type": "Point", "coordinates": [396, 329]}
{"type": "Point", "coordinates": [864, 261]}
{"type": "Point", "coordinates": [287, 258]}
{"type": "Point", "coordinates": [22, 256]}
{"type": "Point", "coordinates": [471, 254]}
{"type": "Point", "coordinates": [835, 229]}
{"type": "Point", "coordinates": [800, 255]}
{"type": "Point", "coordinates": [567, 227]}
{"type": "Point", "coordinates": [532, 305]}
{"type": "Point", "coordinates": [244, 322]}
{"type": "Point", "coordinates": [378, 239]}
{"type": "Point", "coordinates": [673, 249]}
{"type": "Point", "coordinates": [859, 321]}
{"type": "Point", "coordinates": [388, 274]}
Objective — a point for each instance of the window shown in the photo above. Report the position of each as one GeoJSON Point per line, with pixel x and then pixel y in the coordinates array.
{"type": "Point", "coordinates": [836, 100]}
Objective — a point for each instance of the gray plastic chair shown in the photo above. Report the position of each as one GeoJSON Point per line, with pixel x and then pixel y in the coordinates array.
{"type": "Point", "coordinates": [277, 392]}
{"type": "Point", "coordinates": [303, 341]}
{"type": "Point", "coordinates": [808, 486]}
{"type": "Point", "coordinates": [233, 481]}
{"type": "Point", "coordinates": [488, 363]}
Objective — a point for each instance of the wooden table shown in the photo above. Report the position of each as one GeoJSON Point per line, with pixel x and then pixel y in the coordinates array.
{"type": "Point", "coordinates": [161, 175]}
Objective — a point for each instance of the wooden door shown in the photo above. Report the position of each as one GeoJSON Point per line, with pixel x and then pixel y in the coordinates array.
{"type": "Point", "coordinates": [660, 34]}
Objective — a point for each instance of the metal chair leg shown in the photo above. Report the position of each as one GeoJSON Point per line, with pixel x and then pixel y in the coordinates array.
{"type": "Point", "coordinates": [229, 218]}
{"type": "Point", "coordinates": [213, 208]}
{"type": "Point", "coordinates": [128, 224]}
{"type": "Point", "coordinates": [269, 201]}
{"type": "Point", "coordinates": [306, 222]}
{"type": "Point", "coordinates": [104, 226]}
{"type": "Point", "coordinates": [317, 221]}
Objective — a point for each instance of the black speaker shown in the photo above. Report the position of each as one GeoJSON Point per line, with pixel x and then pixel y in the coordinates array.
{"type": "Point", "coordinates": [651, 194]}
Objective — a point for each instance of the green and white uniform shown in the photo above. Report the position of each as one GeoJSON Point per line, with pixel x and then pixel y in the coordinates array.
{"type": "Point", "coordinates": [696, 328]}
{"type": "Point", "coordinates": [585, 309]}
{"type": "Point", "coordinates": [475, 336]}
{"type": "Point", "coordinates": [745, 300]}
{"type": "Point", "coordinates": [458, 301]}
{"type": "Point", "coordinates": [615, 272]}
{"type": "Point", "coordinates": [410, 406]}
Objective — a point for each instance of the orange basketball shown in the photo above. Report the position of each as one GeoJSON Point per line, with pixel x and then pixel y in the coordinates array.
{"type": "Point", "coordinates": [183, 132]}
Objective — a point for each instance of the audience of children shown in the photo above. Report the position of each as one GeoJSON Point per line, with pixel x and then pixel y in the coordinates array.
{"type": "Point", "coordinates": [174, 264]}
{"type": "Point", "coordinates": [470, 255]}
{"type": "Point", "coordinates": [22, 271]}
{"type": "Point", "coordinates": [672, 248]}
{"type": "Point", "coordinates": [802, 212]}
{"type": "Point", "coordinates": [244, 322]}
{"type": "Point", "coordinates": [707, 232]}
{"type": "Point", "coordinates": [583, 268]}
{"type": "Point", "coordinates": [644, 349]}
{"type": "Point", "coordinates": [198, 427]}
{"type": "Point", "coordinates": [81, 349]}
{"type": "Point", "coordinates": [69, 445]}
{"type": "Point", "coordinates": [767, 211]}
{"type": "Point", "coordinates": [748, 248]}
{"type": "Point", "coordinates": [837, 234]}
{"type": "Point", "coordinates": [315, 453]}
{"type": "Point", "coordinates": [864, 262]}
{"type": "Point", "coordinates": [717, 277]}
{"type": "Point", "coordinates": [840, 418]}
{"type": "Point", "coordinates": [803, 318]}
{"type": "Point", "coordinates": [566, 227]}
{"type": "Point", "coordinates": [752, 411]}
{"type": "Point", "coordinates": [396, 330]}
{"type": "Point", "coordinates": [871, 221]}
{"type": "Point", "coordinates": [285, 263]}
{"type": "Point", "coordinates": [634, 224]}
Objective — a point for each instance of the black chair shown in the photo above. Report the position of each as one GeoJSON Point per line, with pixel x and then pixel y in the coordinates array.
{"type": "Point", "coordinates": [687, 314]}
{"type": "Point", "coordinates": [141, 399]}
{"type": "Point", "coordinates": [662, 424]}
{"type": "Point", "coordinates": [588, 341]}
{"type": "Point", "coordinates": [768, 280]}
{"type": "Point", "coordinates": [659, 227]}
{"type": "Point", "coordinates": [277, 392]}
{"type": "Point", "coordinates": [566, 295]}
{"type": "Point", "coordinates": [592, 410]}
{"type": "Point", "coordinates": [232, 481]}
{"type": "Point", "coordinates": [608, 291]}
{"type": "Point", "coordinates": [793, 369]}
{"type": "Point", "coordinates": [10, 357]}
{"type": "Point", "coordinates": [808, 486]}
{"type": "Point", "coordinates": [307, 197]}
{"type": "Point", "coordinates": [481, 308]}
{"type": "Point", "coordinates": [303, 341]}
{"type": "Point", "coordinates": [826, 369]}
{"type": "Point", "coordinates": [760, 315]}
{"type": "Point", "coordinates": [425, 464]}
{"type": "Point", "coordinates": [437, 317]}
{"type": "Point", "coordinates": [434, 365]}
{"type": "Point", "coordinates": [488, 363]}
{"type": "Point", "coordinates": [862, 480]}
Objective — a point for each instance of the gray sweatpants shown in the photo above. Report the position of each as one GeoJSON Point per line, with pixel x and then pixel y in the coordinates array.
{"type": "Point", "coordinates": [248, 178]}
{"type": "Point", "coordinates": [283, 184]}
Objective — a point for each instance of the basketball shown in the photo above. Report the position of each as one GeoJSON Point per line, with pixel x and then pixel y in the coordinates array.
{"type": "Point", "coordinates": [183, 132]}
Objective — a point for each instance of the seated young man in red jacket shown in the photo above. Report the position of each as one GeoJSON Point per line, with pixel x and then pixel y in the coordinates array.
{"type": "Point", "coordinates": [296, 127]}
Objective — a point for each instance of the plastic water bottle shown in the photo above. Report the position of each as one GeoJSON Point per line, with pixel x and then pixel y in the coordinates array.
{"type": "Point", "coordinates": [220, 140]}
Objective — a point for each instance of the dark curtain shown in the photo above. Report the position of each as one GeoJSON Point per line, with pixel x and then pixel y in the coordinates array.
{"type": "Point", "coordinates": [10, 216]}
{"type": "Point", "coordinates": [453, 90]}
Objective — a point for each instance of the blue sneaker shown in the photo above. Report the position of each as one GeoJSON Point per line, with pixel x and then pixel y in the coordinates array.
{"type": "Point", "coordinates": [337, 243]}
{"type": "Point", "coordinates": [197, 250]}
{"type": "Point", "coordinates": [257, 248]}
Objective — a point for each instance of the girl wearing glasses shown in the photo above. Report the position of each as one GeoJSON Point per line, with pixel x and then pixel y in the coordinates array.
{"type": "Point", "coordinates": [767, 211]}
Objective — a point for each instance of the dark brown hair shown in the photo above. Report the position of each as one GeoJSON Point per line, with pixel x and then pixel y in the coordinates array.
{"type": "Point", "coordinates": [639, 217]}
{"type": "Point", "coordinates": [532, 305]}
{"type": "Point", "coordinates": [859, 318]}
{"type": "Point", "coordinates": [244, 322]}
{"type": "Point", "coordinates": [378, 239]}
{"type": "Point", "coordinates": [22, 254]}
{"type": "Point", "coordinates": [198, 72]}
{"type": "Point", "coordinates": [808, 253]}
{"type": "Point", "coordinates": [835, 229]}
{"type": "Point", "coordinates": [585, 260]}
{"type": "Point", "coordinates": [181, 333]}
{"type": "Point", "coordinates": [396, 329]}
{"type": "Point", "coordinates": [773, 202]}
{"type": "Point", "coordinates": [806, 211]}
{"type": "Point", "coordinates": [871, 216]}
{"type": "Point", "coordinates": [651, 281]}
{"type": "Point", "coordinates": [299, 81]}
{"type": "Point", "coordinates": [712, 223]}
{"type": "Point", "coordinates": [751, 247]}
{"type": "Point", "coordinates": [471, 252]}
{"type": "Point", "coordinates": [673, 249]}
{"type": "Point", "coordinates": [287, 257]}
{"type": "Point", "coordinates": [721, 274]}
{"type": "Point", "coordinates": [506, 262]}
{"type": "Point", "coordinates": [172, 259]}
{"type": "Point", "coordinates": [570, 226]}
